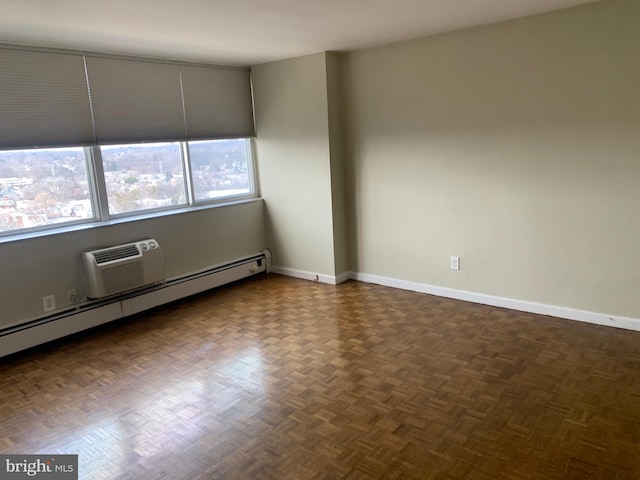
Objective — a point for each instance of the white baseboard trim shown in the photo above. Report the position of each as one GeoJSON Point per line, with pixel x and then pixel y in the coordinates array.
{"type": "Point", "coordinates": [343, 277]}
{"type": "Point", "coordinates": [314, 277]}
{"type": "Point", "coordinates": [521, 305]}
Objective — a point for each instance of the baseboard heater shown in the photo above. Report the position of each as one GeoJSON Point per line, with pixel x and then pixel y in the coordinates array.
{"type": "Point", "coordinates": [94, 313]}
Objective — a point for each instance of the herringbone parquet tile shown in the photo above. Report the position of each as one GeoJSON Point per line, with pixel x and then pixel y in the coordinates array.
{"type": "Point", "coordinates": [277, 378]}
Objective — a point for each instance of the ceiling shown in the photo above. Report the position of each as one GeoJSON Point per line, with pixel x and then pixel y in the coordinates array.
{"type": "Point", "coordinates": [246, 32]}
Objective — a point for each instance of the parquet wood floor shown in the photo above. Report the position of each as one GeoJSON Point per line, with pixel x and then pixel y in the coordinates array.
{"type": "Point", "coordinates": [278, 378]}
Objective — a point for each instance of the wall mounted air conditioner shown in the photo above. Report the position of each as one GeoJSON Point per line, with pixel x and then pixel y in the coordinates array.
{"type": "Point", "coordinates": [122, 268]}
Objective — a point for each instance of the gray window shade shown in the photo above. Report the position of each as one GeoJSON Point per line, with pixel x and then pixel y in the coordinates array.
{"type": "Point", "coordinates": [48, 99]}
{"type": "Point", "coordinates": [43, 100]}
{"type": "Point", "coordinates": [217, 102]}
{"type": "Point", "coordinates": [135, 101]}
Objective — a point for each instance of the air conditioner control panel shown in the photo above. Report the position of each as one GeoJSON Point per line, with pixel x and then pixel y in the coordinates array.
{"type": "Point", "coordinates": [152, 245]}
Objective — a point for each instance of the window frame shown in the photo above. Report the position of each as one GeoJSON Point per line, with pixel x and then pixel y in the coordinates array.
{"type": "Point", "coordinates": [144, 211]}
{"type": "Point", "coordinates": [251, 165]}
{"type": "Point", "coordinates": [99, 199]}
{"type": "Point", "coordinates": [31, 231]}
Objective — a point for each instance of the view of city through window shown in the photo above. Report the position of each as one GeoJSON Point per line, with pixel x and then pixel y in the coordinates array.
{"type": "Point", "coordinates": [143, 177]}
{"type": "Point", "coordinates": [220, 168]}
{"type": "Point", "coordinates": [43, 187]}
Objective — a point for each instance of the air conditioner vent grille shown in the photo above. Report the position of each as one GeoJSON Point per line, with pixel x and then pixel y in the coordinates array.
{"type": "Point", "coordinates": [122, 277]}
{"type": "Point", "coordinates": [126, 251]}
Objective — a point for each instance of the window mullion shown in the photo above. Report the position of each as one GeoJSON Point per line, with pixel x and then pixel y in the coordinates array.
{"type": "Point", "coordinates": [98, 186]}
{"type": "Point", "coordinates": [186, 168]}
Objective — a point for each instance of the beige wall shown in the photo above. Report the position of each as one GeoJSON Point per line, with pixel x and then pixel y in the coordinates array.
{"type": "Point", "coordinates": [335, 99]}
{"type": "Point", "coordinates": [190, 241]}
{"type": "Point", "coordinates": [294, 155]}
{"type": "Point", "coordinates": [515, 146]}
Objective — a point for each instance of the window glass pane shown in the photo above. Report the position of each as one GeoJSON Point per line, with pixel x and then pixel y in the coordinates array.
{"type": "Point", "coordinates": [220, 168]}
{"type": "Point", "coordinates": [143, 176]}
{"type": "Point", "coordinates": [43, 187]}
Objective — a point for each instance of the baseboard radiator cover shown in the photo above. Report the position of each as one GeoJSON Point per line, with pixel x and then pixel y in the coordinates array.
{"type": "Point", "coordinates": [93, 313]}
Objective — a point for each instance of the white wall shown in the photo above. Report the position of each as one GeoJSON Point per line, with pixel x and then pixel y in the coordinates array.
{"type": "Point", "coordinates": [515, 146]}
{"type": "Point", "coordinates": [294, 156]}
{"type": "Point", "coordinates": [190, 241]}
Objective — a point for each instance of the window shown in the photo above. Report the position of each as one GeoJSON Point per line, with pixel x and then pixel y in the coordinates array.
{"type": "Point", "coordinates": [150, 136]}
{"type": "Point", "coordinates": [143, 177]}
{"type": "Point", "coordinates": [47, 188]}
{"type": "Point", "coordinates": [220, 168]}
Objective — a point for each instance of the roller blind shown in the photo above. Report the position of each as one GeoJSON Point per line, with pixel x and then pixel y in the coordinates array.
{"type": "Point", "coordinates": [217, 102]}
{"type": "Point", "coordinates": [54, 98]}
{"type": "Point", "coordinates": [43, 100]}
{"type": "Point", "coordinates": [135, 101]}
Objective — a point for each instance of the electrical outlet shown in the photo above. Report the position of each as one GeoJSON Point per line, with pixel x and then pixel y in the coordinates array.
{"type": "Point", "coordinates": [72, 296]}
{"type": "Point", "coordinates": [49, 303]}
{"type": "Point", "coordinates": [455, 263]}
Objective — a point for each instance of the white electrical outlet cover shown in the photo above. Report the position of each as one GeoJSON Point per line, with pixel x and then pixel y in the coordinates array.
{"type": "Point", "coordinates": [49, 303]}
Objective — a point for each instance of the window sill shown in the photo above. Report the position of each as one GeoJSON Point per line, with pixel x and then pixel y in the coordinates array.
{"type": "Point", "coordinates": [9, 238]}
